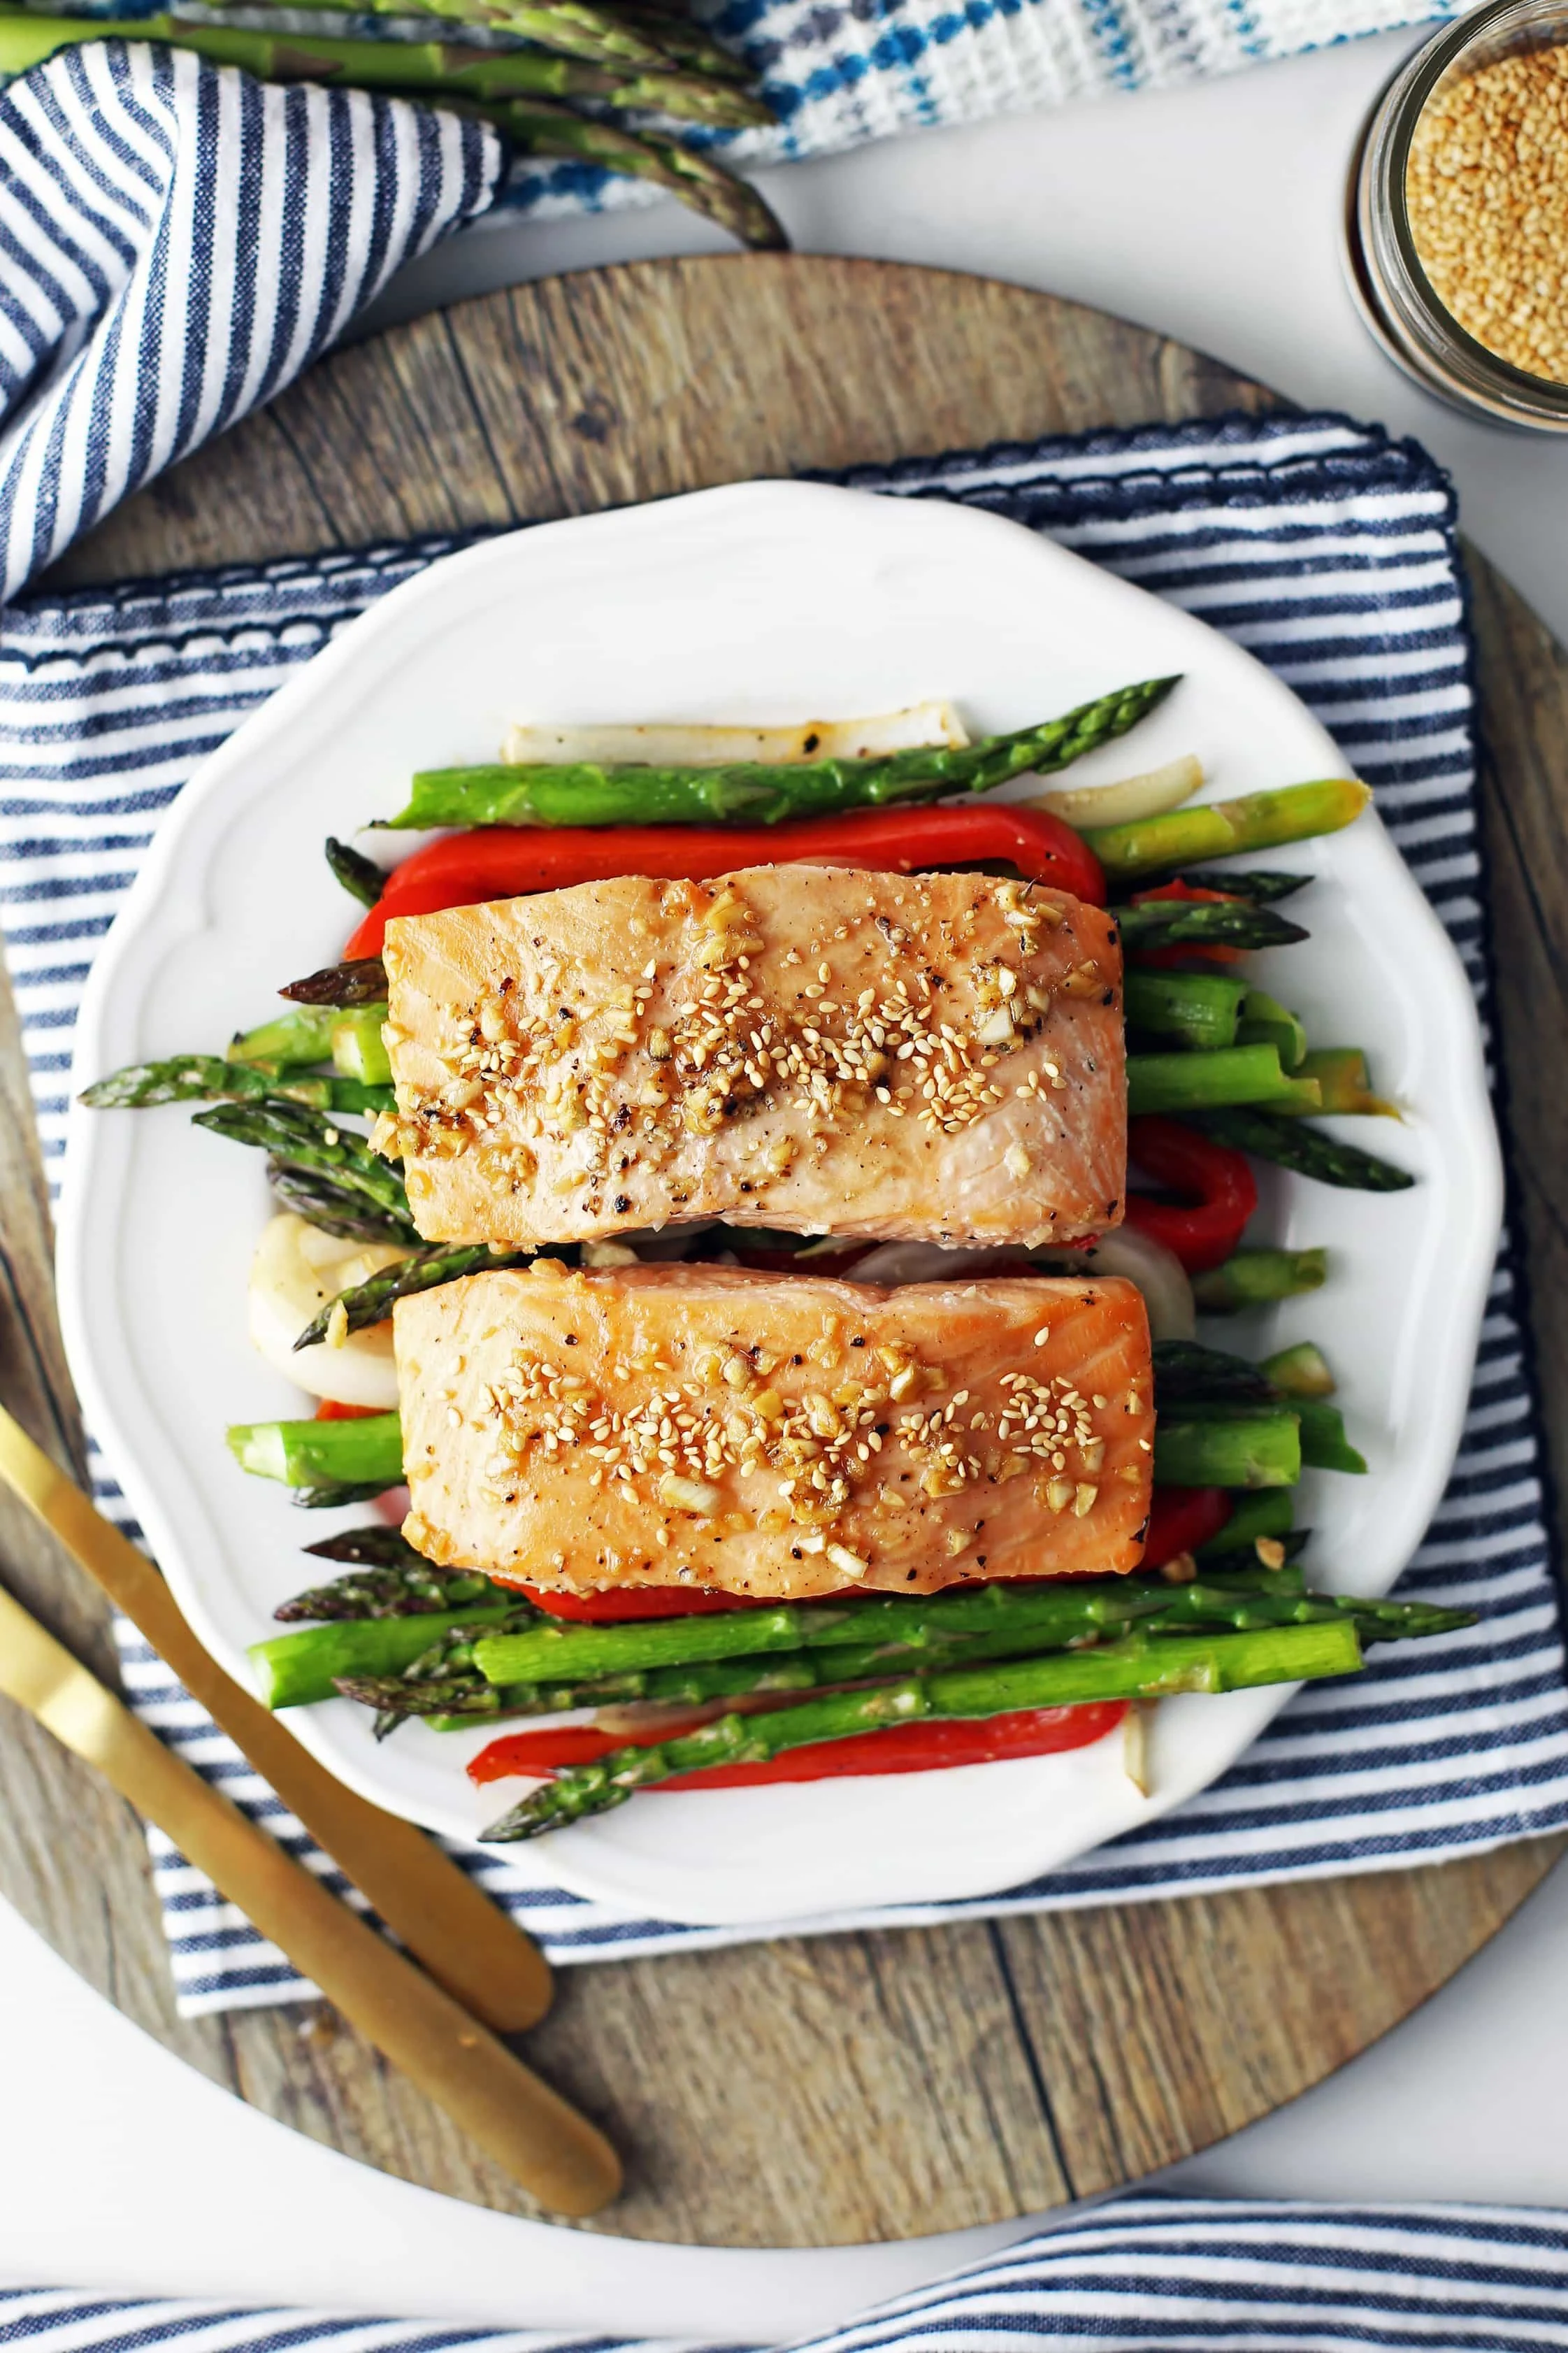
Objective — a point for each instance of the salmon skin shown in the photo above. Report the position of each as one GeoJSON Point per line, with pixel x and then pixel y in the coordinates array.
{"type": "Point", "coordinates": [779, 1436]}
{"type": "Point", "coordinates": [928, 1057]}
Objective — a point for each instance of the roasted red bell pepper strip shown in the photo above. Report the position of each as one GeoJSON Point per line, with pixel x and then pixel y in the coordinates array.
{"type": "Point", "coordinates": [635, 1601]}
{"type": "Point", "coordinates": [1180, 1519]}
{"type": "Point", "coordinates": [1179, 955]}
{"type": "Point", "coordinates": [897, 1749]}
{"type": "Point", "coordinates": [1203, 1232]}
{"type": "Point", "coordinates": [509, 861]}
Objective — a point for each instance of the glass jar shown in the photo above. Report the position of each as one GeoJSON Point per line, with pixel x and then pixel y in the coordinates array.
{"type": "Point", "coordinates": [1392, 289]}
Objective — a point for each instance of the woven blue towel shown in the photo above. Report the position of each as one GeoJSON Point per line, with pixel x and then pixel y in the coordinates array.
{"type": "Point", "coordinates": [1330, 551]}
{"type": "Point", "coordinates": [1135, 2275]}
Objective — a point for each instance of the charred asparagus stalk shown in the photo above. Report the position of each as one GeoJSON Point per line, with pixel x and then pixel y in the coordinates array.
{"type": "Point", "coordinates": [1136, 1668]}
{"type": "Point", "coordinates": [360, 876]}
{"type": "Point", "coordinates": [1202, 922]}
{"type": "Point", "coordinates": [361, 982]}
{"type": "Point", "coordinates": [299, 1138]}
{"type": "Point", "coordinates": [392, 1591]}
{"type": "Point", "coordinates": [457, 1700]}
{"type": "Point", "coordinates": [373, 1302]}
{"type": "Point", "coordinates": [1291, 1145]}
{"type": "Point", "coordinates": [321, 1200]}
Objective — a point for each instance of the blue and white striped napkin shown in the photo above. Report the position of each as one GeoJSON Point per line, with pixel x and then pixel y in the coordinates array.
{"type": "Point", "coordinates": [1134, 2275]}
{"type": "Point", "coordinates": [1330, 551]}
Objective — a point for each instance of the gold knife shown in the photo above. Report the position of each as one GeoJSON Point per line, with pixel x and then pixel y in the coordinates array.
{"type": "Point", "coordinates": [465, 1941]}
{"type": "Point", "coordinates": [515, 2119]}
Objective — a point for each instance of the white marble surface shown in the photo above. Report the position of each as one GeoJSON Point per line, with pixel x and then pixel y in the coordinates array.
{"type": "Point", "coordinates": [1212, 213]}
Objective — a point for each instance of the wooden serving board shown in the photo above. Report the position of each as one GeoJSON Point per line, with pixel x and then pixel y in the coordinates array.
{"type": "Point", "coordinates": [813, 2091]}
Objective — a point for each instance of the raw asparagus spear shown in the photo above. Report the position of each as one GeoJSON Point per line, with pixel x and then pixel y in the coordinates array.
{"type": "Point", "coordinates": [541, 128]}
{"type": "Point", "coordinates": [690, 44]}
{"type": "Point", "coordinates": [1291, 1145]}
{"type": "Point", "coordinates": [1254, 1277]}
{"type": "Point", "coordinates": [304, 1454]}
{"type": "Point", "coordinates": [1223, 829]}
{"type": "Point", "coordinates": [1202, 922]}
{"type": "Point", "coordinates": [361, 981]}
{"type": "Point", "coordinates": [1198, 1010]}
{"type": "Point", "coordinates": [1231, 1074]}
{"type": "Point", "coordinates": [296, 1669]}
{"type": "Point", "coordinates": [317, 1196]}
{"type": "Point", "coordinates": [1135, 1669]}
{"type": "Point", "coordinates": [750, 793]}
{"type": "Point", "coordinates": [373, 1302]}
{"type": "Point", "coordinates": [299, 1138]}
{"type": "Point", "coordinates": [570, 27]}
{"type": "Point", "coordinates": [1260, 1447]}
{"type": "Point", "coordinates": [360, 876]}
{"type": "Point", "coordinates": [212, 1078]}
{"type": "Point", "coordinates": [426, 69]}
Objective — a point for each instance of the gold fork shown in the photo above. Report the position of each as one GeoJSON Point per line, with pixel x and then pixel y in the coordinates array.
{"type": "Point", "coordinates": [467, 1942]}
{"type": "Point", "coordinates": [518, 2120]}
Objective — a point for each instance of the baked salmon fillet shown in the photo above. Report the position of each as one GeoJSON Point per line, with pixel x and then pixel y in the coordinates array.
{"type": "Point", "coordinates": [928, 1057]}
{"type": "Point", "coordinates": [776, 1435]}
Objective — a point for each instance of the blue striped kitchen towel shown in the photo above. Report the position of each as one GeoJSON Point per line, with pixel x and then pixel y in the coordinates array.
{"type": "Point", "coordinates": [1329, 551]}
{"type": "Point", "coordinates": [1134, 2275]}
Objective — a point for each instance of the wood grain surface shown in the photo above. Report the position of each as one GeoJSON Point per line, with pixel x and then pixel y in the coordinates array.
{"type": "Point", "coordinates": [825, 2091]}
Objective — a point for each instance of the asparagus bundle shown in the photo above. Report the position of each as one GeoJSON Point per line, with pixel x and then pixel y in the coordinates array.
{"type": "Point", "coordinates": [437, 70]}
{"type": "Point", "coordinates": [1140, 1667]}
{"type": "Point", "coordinates": [531, 1659]}
{"type": "Point", "coordinates": [577, 52]}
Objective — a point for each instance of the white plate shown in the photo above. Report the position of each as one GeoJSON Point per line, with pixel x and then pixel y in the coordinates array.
{"type": "Point", "coordinates": [771, 602]}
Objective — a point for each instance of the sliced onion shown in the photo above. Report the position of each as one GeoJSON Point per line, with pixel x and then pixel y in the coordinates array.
{"type": "Point", "coordinates": [295, 1271]}
{"type": "Point", "coordinates": [674, 743]}
{"type": "Point", "coordinates": [1158, 1273]}
{"type": "Point", "coordinates": [1128, 802]}
{"type": "Point", "coordinates": [928, 1262]}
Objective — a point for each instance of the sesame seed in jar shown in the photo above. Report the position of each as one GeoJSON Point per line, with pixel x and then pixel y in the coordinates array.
{"type": "Point", "coordinates": [1486, 192]}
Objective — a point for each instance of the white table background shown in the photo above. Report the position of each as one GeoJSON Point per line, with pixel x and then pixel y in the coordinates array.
{"type": "Point", "coordinates": [1214, 214]}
